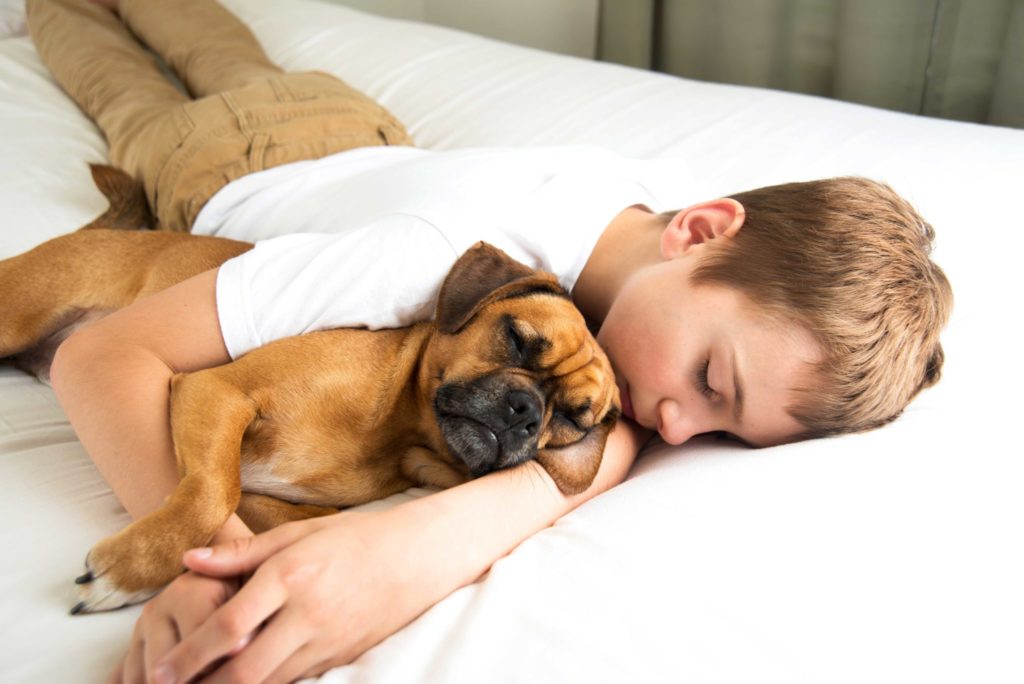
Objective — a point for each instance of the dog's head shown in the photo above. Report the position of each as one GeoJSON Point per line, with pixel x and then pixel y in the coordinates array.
{"type": "Point", "coordinates": [517, 373]}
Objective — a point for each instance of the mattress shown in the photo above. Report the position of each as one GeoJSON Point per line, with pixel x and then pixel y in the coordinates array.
{"type": "Point", "coordinates": [890, 556]}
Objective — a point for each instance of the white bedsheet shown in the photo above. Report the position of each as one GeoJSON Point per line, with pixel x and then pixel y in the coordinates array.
{"type": "Point", "coordinates": [893, 556]}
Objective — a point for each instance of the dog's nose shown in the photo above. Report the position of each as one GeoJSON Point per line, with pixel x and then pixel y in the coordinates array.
{"type": "Point", "coordinates": [523, 414]}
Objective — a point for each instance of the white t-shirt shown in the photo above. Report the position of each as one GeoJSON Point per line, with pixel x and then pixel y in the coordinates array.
{"type": "Point", "coordinates": [364, 238]}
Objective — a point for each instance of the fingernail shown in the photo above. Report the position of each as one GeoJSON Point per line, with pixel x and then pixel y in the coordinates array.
{"type": "Point", "coordinates": [163, 674]}
{"type": "Point", "coordinates": [200, 554]}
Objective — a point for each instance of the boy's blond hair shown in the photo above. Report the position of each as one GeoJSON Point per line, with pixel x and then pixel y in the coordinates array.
{"type": "Point", "coordinates": [848, 259]}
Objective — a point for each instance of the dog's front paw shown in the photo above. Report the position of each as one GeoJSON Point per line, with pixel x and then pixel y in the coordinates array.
{"type": "Point", "coordinates": [100, 591]}
{"type": "Point", "coordinates": [122, 570]}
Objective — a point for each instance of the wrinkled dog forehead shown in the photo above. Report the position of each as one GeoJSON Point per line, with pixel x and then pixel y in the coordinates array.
{"type": "Point", "coordinates": [546, 314]}
{"type": "Point", "coordinates": [545, 335]}
{"type": "Point", "coordinates": [534, 331]}
{"type": "Point", "coordinates": [508, 334]}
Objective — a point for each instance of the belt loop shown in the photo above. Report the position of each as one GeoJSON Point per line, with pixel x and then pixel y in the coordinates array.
{"type": "Point", "coordinates": [258, 142]}
{"type": "Point", "coordinates": [240, 117]}
{"type": "Point", "coordinates": [257, 149]}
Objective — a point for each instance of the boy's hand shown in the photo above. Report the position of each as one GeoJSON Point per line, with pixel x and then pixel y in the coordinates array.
{"type": "Point", "coordinates": [324, 590]}
{"type": "Point", "coordinates": [169, 617]}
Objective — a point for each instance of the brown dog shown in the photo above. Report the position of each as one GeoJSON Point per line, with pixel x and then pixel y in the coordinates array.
{"type": "Point", "coordinates": [506, 372]}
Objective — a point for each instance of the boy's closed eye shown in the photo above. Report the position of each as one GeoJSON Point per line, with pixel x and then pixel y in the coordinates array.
{"type": "Point", "coordinates": [704, 385]}
{"type": "Point", "coordinates": [702, 380]}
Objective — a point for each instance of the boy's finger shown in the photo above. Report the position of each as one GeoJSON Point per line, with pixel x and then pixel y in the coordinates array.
{"type": "Point", "coordinates": [117, 676]}
{"type": "Point", "coordinates": [283, 638]}
{"type": "Point", "coordinates": [132, 666]}
{"type": "Point", "coordinates": [223, 631]}
{"type": "Point", "coordinates": [241, 555]}
{"type": "Point", "coordinates": [298, 666]}
{"type": "Point", "coordinates": [161, 637]}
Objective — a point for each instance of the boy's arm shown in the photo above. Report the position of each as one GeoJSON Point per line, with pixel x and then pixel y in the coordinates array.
{"type": "Point", "coordinates": [113, 381]}
{"type": "Point", "coordinates": [329, 588]}
{"type": "Point", "coordinates": [475, 519]}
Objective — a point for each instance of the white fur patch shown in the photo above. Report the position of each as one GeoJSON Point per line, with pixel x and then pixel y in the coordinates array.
{"type": "Point", "coordinates": [101, 594]}
{"type": "Point", "coordinates": [259, 478]}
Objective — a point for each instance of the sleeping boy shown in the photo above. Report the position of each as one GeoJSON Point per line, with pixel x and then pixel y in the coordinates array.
{"type": "Point", "coordinates": [778, 314]}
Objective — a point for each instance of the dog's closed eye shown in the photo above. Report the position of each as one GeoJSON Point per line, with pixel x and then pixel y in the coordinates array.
{"type": "Point", "coordinates": [568, 419]}
{"type": "Point", "coordinates": [525, 344]}
{"type": "Point", "coordinates": [517, 344]}
{"type": "Point", "coordinates": [568, 426]}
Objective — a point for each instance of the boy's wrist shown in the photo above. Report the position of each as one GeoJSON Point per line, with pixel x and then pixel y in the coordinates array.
{"type": "Point", "coordinates": [458, 533]}
{"type": "Point", "coordinates": [469, 527]}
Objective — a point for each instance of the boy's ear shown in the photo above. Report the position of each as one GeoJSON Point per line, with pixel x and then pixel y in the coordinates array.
{"type": "Point", "coordinates": [719, 218]}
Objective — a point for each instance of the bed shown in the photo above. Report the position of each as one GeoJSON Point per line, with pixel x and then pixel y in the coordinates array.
{"type": "Point", "coordinates": [891, 556]}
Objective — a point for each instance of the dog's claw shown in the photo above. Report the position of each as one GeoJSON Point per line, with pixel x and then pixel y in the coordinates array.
{"type": "Point", "coordinates": [99, 591]}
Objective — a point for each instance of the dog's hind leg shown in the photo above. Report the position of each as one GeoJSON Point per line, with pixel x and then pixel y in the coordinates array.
{"type": "Point", "coordinates": [65, 283]}
{"type": "Point", "coordinates": [261, 512]}
{"type": "Point", "coordinates": [46, 294]}
{"type": "Point", "coordinates": [34, 310]}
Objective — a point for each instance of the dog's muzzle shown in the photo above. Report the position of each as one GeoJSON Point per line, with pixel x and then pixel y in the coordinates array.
{"type": "Point", "coordinates": [490, 423]}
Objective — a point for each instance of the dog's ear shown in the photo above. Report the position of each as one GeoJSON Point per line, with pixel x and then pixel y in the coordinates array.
{"type": "Point", "coordinates": [573, 467]}
{"type": "Point", "coordinates": [481, 275]}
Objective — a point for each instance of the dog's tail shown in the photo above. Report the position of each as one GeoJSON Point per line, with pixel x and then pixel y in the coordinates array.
{"type": "Point", "coordinates": [128, 207]}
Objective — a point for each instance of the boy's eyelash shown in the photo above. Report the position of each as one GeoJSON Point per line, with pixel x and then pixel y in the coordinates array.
{"type": "Point", "coordinates": [702, 380]}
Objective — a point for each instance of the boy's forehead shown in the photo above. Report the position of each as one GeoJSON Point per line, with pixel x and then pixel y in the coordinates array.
{"type": "Point", "coordinates": [772, 319]}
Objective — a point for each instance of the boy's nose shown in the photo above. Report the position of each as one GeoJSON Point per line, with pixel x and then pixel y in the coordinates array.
{"type": "Point", "coordinates": [674, 425]}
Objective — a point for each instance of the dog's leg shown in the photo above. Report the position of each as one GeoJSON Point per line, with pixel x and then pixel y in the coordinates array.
{"type": "Point", "coordinates": [424, 468]}
{"type": "Point", "coordinates": [209, 416]}
{"type": "Point", "coordinates": [261, 512]}
{"type": "Point", "coordinates": [37, 300]}
{"type": "Point", "coordinates": [60, 285]}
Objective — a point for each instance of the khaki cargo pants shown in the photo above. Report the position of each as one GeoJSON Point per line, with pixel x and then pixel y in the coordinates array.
{"type": "Point", "coordinates": [244, 114]}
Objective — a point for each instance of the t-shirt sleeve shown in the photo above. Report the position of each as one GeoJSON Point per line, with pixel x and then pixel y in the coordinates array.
{"type": "Point", "coordinates": [385, 274]}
